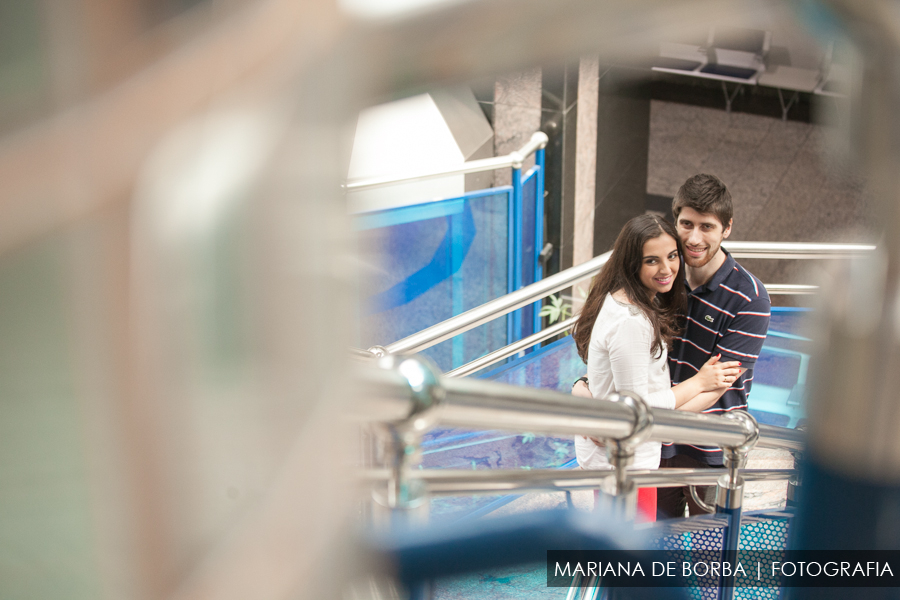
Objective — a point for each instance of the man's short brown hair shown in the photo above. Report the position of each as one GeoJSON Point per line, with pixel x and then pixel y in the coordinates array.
{"type": "Point", "coordinates": [705, 194]}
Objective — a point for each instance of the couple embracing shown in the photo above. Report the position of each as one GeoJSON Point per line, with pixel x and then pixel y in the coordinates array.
{"type": "Point", "coordinates": [673, 318]}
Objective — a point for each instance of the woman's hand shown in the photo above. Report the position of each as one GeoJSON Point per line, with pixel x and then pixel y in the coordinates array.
{"type": "Point", "coordinates": [715, 375]}
{"type": "Point", "coordinates": [582, 390]}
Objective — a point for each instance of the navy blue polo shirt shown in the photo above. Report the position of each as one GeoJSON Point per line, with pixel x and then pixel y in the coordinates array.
{"type": "Point", "coordinates": [729, 314]}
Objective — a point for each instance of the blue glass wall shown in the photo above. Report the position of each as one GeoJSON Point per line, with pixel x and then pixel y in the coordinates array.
{"type": "Point", "coordinates": [425, 263]}
{"type": "Point", "coordinates": [428, 262]}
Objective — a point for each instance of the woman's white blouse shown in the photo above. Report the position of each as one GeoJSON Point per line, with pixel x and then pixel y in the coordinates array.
{"type": "Point", "coordinates": [619, 359]}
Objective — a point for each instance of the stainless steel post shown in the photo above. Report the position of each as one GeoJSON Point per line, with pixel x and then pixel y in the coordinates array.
{"type": "Point", "coordinates": [730, 494]}
{"type": "Point", "coordinates": [402, 437]}
{"type": "Point", "coordinates": [620, 492]}
{"type": "Point", "coordinates": [795, 480]}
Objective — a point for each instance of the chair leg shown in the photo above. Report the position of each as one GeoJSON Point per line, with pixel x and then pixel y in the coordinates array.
{"type": "Point", "coordinates": [730, 97]}
{"type": "Point", "coordinates": [786, 107]}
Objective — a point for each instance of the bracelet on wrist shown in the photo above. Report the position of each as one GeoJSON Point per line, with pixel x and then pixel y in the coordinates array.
{"type": "Point", "coordinates": [584, 379]}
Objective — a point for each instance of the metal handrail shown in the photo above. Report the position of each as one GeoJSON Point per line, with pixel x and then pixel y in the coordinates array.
{"type": "Point", "coordinates": [498, 307]}
{"type": "Point", "coordinates": [563, 326]}
{"type": "Point", "coordinates": [791, 289]}
{"type": "Point", "coordinates": [513, 159]}
{"type": "Point", "coordinates": [458, 482]}
{"type": "Point", "coordinates": [507, 351]}
{"type": "Point", "coordinates": [477, 404]}
{"type": "Point", "coordinates": [795, 250]}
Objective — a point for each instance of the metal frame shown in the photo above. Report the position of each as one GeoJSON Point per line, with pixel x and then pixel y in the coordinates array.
{"type": "Point", "coordinates": [540, 162]}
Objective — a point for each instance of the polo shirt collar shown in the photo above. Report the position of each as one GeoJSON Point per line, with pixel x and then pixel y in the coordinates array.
{"type": "Point", "coordinates": [720, 275]}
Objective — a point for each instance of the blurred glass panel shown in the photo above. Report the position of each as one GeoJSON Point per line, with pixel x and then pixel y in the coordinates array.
{"type": "Point", "coordinates": [46, 521]}
{"type": "Point", "coordinates": [24, 76]}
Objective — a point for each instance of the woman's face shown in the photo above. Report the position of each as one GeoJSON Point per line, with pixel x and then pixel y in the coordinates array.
{"type": "Point", "coordinates": [659, 264]}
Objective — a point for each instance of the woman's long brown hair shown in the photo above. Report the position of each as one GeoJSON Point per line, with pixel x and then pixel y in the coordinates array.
{"type": "Point", "coordinates": [622, 272]}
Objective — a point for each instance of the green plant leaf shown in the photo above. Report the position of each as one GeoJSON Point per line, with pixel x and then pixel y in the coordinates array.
{"type": "Point", "coordinates": [557, 310]}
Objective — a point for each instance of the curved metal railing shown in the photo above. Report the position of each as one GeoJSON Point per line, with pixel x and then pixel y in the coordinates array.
{"type": "Point", "coordinates": [513, 159]}
{"type": "Point", "coordinates": [505, 304]}
{"type": "Point", "coordinates": [408, 396]}
{"type": "Point", "coordinates": [496, 308]}
{"type": "Point", "coordinates": [478, 404]}
{"type": "Point", "coordinates": [514, 348]}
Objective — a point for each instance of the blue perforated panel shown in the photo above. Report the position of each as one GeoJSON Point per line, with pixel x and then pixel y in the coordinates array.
{"type": "Point", "coordinates": [703, 537]}
{"type": "Point", "coordinates": [760, 534]}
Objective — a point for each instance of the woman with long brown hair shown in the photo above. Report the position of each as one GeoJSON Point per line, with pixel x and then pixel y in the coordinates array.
{"type": "Point", "coordinates": [625, 330]}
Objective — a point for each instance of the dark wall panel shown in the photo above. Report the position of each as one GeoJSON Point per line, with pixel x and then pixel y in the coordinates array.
{"type": "Point", "coordinates": [623, 138]}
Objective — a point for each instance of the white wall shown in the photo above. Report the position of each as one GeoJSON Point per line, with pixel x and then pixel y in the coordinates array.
{"type": "Point", "coordinates": [405, 136]}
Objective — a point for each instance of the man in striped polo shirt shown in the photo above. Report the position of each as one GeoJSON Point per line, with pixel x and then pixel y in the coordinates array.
{"type": "Point", "coordinates": [728, 314]}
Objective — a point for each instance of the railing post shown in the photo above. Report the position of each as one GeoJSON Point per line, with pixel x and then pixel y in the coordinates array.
{"type": "Point", "coordinates": [517, 220]}
{"type": "Point", "coordinates": [793, 489]}
{"type": "Point", "coordinates": [402, 438]}
{"type": "Point", "coordinates": [511, 260]}
{"type": "Point", "coordinates": [730, 495]}
{"type": "Point", "coordinates": [618, 495]}
{"type": "Point", "coordinates": [620, 452]}
{"type": "Point", "coordinates": [794, 482]}
{"type": "Point", "coordinates": [539, 160]}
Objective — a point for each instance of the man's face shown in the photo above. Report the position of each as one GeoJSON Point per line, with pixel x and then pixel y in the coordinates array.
{"type": "Point", "coordinates": [702, 234]}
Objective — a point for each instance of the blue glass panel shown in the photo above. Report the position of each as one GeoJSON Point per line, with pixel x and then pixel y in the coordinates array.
{"type": "Point", "coordinates": [425, 263]}
{"type": "Point", "coordinates": [553, 367]}
{"type": "Point", "coordinates": [464, 449]}
{"type": "Point", "coordinates": [779, 378]}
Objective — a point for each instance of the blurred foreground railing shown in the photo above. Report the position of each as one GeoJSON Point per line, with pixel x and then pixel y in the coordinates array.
{"type": "Point", "coordinates": [407, 396]}
{"type": "Point", "coordinates": [460, 482]}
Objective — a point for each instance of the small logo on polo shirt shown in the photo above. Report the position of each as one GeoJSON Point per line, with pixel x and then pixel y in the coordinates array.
{"type": "Point", "coordinates": [708, 318]}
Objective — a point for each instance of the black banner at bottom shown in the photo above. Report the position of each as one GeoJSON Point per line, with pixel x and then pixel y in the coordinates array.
{"type": "Point", "coordinates": [712, 568]}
